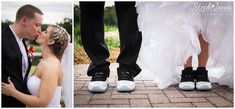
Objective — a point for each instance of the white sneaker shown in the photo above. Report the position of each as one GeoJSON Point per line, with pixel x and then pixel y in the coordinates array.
{"type": "Point", "coordinates": [98, 86]}
{"type": "Point", "coordinates": [187, 85]}
{"type": "Point", "coordinates": [125, 85]}
{"type": "Point", "coordinates": [202, 85]}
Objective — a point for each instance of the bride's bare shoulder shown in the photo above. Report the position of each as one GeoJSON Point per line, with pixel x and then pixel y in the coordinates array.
{"type": "Point", "coordinates": [48, 67]}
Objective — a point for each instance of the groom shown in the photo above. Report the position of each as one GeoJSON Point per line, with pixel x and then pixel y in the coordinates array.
{"type": "Point", "coordinates": [92, 33]}
{"type": "Point", "coordinates": [15, 61]}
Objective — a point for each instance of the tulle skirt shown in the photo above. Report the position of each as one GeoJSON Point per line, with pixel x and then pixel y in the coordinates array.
{"type": "Point", "coordinates": [170, 32]}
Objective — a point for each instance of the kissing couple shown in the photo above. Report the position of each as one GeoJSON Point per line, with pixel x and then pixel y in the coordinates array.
{"type": "Point", "coordinates": [43, 88]}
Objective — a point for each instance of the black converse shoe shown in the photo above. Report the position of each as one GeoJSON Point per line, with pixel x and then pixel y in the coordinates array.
{"type": "Point", "coordinates": [125, 81]}
{"type": "Point", "coordinates": [98, 82]}
{"type": "Point", "coordinates": [202, 80]}
{"type": "Point", "coordinates": [187, 79]}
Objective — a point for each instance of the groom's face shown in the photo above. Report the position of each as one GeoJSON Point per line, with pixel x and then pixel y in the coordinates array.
{"type": "Point", "coordinates": [33, 27]}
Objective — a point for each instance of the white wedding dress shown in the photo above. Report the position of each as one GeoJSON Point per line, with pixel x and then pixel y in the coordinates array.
{"type": "Point", "coordinates": [33, 84]}
{"type": "Point", "coordinates": [170, 36]}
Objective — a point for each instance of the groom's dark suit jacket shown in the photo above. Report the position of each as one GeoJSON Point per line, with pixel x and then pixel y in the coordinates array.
{"type": "Point", "coordinates": [12, 67]}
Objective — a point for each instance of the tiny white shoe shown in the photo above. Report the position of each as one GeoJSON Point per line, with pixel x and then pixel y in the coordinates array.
{"type": "Point", "coordinates": [98, 86]}
{"type": "Point", "coordinates": [187, 85]}
{"type": "Point", "coordinates": [125, 86]}
{"type": "Point", "coordinates": [203, 85]}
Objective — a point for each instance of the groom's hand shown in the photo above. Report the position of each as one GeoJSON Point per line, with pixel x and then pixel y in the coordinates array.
{"type": "Point", "coordinates": [8, 89]}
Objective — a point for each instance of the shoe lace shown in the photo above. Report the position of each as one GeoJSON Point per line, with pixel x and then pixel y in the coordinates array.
{"type": "Point", "coordinates": [202, 76]}
{"type": "Point", "coordinates": [99, 75]}
{"type": "Point", "coordinates": [124, 76]}
{"type": "Point", "coordinates": [187, 76]}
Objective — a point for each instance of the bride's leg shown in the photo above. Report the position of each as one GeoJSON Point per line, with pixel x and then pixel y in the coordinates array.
{"type": "Point", "coordinates": [188, 62]}
{"type": "Point", "coordinates": [203, 56]}
{"type": "Point", "coordinates": [187, 77]}
{"type": "Point", "coordinates": [203, 82]}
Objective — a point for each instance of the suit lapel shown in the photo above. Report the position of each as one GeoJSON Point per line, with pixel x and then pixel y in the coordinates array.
{"type": "Point", "coordinates": [15, 47]}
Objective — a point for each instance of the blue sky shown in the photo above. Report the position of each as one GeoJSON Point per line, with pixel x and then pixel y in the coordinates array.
{"type": "Point", "coordinates": [53, 11]}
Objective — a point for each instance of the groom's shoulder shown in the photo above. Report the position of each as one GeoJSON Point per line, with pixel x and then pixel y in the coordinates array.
{"type": "Point", "coordinates": [6, 32]}
{"type": "Point", "coordinates": [6, 35]}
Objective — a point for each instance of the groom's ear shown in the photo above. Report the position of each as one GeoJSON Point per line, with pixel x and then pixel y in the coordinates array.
{"type": "Point", "coordinates": [24, 20]}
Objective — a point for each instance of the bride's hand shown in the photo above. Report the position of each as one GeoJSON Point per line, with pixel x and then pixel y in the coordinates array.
{"type": "Point", "coordinates": [8, 89]}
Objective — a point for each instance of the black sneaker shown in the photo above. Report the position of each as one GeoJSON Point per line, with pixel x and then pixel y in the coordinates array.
{"type": "Point", "coordinates": [202, 80]}
{"type": "Point", "coordinates": [125, 81]}
{"type": "Point", "coordinates": [125, 76]}
{"type": "Point", "coordinates": [98, 82]}
{"type": "Point", "coordinates": [187, 79]}
{"type": "Point", "coordinates": [99, 76]}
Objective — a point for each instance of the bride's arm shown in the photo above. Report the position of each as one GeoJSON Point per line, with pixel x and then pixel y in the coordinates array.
{"type": "Point", "coordinates": [47, 89]}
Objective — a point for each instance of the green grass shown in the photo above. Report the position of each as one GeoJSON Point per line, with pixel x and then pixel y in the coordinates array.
{"type": "Point", "coordinates": [37, 48]}
{"type": "Point", "coordinates": [112, 42]}
{"type": "Point", "coordinates": [77, 34]}
{"type": "Point", "coordinates": [32, 69]}
{"type": "Point", "coordinates": [108, 28]}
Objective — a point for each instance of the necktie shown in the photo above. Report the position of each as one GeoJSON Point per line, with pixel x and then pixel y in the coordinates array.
{"type": "Point", "coordinates": [24, 58]}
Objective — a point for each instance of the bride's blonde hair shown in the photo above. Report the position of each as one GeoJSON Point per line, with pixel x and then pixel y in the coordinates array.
{"type": "Point", "coordinates": [61, 38]}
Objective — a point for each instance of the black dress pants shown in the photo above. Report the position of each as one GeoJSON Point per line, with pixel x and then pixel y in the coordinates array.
{"type": "Point", "coordinates": [92, 34]}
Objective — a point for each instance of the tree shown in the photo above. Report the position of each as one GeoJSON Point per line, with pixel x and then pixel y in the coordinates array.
{"type": "Point", "coordinates": [6, 23]}
{"type": "Point", "coordinates": [76, 14]}
{"type": "Point", "coordinates": [77, 32]}
{"type": "Point", "coordinates": [110, 17]}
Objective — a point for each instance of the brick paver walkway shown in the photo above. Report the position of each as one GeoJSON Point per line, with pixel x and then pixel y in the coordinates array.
{"type": "Point", "coordinates": [146, 94]}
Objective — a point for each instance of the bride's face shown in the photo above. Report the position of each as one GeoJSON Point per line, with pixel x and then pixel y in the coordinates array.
{"type": "Point", "coordinates": [43, 38]}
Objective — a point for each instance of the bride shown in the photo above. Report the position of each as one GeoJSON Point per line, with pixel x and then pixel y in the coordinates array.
{"type": "Point", "coordinates": [45, 84]}
{"type": "Point", "coordinates": [175, 34]}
